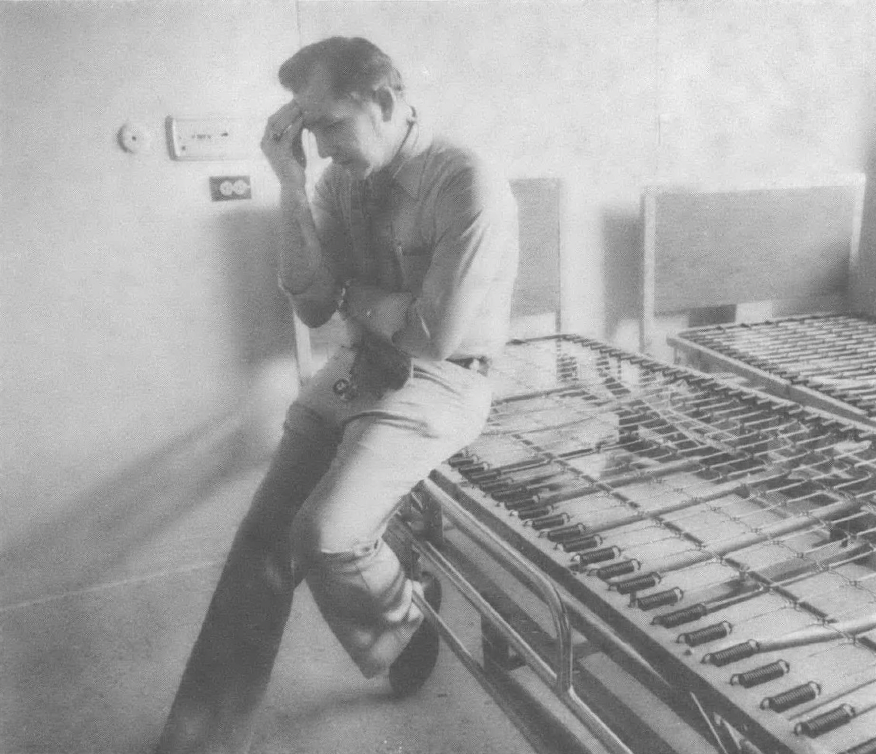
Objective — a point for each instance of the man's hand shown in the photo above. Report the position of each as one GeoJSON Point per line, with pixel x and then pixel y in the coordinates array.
{"type": "Point", "coordinates": [281, 144]}
{"type": "Point", "coordinates": [379, 366]}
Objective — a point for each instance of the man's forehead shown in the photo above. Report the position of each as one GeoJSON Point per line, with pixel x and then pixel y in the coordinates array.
{"type": "Point", "coordinates": [316, 100]}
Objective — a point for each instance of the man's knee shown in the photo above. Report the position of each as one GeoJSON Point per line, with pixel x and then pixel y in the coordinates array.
{"type": "Point", "coordinates": [317, 541]}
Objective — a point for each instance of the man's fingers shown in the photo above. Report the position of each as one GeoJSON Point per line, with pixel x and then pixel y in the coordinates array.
{"type": "Point", "coordinates": [288, 118]}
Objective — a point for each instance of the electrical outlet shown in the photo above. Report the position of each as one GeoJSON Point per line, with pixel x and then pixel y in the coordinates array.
{"type": "Point", "coordinates": [224, 188]}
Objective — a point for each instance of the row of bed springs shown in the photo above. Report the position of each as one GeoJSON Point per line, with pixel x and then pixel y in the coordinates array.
{"type": "Point", "coordinates": [587, 554]}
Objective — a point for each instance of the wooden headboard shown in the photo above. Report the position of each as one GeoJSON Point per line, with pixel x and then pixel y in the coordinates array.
{"type": "Point", "coordinates": [707, 246]}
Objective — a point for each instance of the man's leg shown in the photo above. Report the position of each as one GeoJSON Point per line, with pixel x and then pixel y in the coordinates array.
{"type": "Point", "coordinates": [389, 444]}
{"type": "Point", "coordinates": [230, 665]}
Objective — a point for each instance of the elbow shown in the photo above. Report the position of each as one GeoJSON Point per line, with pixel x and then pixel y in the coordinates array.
{"type": "Point", "coordinates": [426, 343]}
{"type": "Point", "coordinates": [312, 314]}
{"type": "Point", "coordinates": [442, 352]}
{"type": "Point", "coordinates": [438, 349]}
{"type": "Point", "coordinates": [433, 343]}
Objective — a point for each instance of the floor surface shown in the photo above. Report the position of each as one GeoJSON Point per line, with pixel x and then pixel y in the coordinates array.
{"type": "Point", "coordinates": [89, 665]}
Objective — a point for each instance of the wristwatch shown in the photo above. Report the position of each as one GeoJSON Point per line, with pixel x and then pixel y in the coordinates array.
{"type": "Point", "coordinates": [343, 292]}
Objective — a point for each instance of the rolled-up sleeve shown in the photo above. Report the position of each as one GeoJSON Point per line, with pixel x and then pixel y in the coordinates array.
{"type": "Point", "coordinates": [475, 224]}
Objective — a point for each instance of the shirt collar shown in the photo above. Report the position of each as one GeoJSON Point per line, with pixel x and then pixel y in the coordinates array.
{"type": "Point", "coordinates": [408, 166]}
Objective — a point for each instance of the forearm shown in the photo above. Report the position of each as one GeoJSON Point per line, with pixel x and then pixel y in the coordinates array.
{"type": "Point", "coordinates": [302, 270]}
{"type": "Point", "coordinates": [379, 312]}
{"type": "Point", "coordinates": [435, 334]}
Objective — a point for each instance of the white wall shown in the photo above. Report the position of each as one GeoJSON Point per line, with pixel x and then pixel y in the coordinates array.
{"type": "Point", "coordinates": [609, 96]}
{"type": "Point", "coordinates": [136, 312]}
{"type": "Point", "coordinates": [135, 309]}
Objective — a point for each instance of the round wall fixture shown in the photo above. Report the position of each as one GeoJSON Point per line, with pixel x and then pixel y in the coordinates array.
{"type": "Point", "coordinates": [134, 138]}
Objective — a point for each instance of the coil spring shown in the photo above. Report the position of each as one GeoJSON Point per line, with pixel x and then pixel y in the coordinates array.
{"type": "Point", "coordinates": [567, 368]}
{"type": "Point", "coordinates": [638, 583]}
{"type": "Point", "coordinates": [509, 494]}
{"type": "Point", "coordinates": [597, 556]}
{"type": "Point", "coordinates": [538, 511]}
{"type": "Point", "coordinates": [491, 480]}
{"type": "Point", "coordinates": [460, 459]}
{"type": "Point", "coordinates": [760, 675]}
{"type": "Point", "coordinates": [707, 634]}
{"type": "Point", "coordinates": [532, 502]}
{"type": "Point", "coordinates": [582, 543]}
{"type": "Point", "coordinates": [565, 532]}
{"type": "Point", "coordinates": [617, 569]}
{"type": "Point", "coordinates": [792, 697]}
{"type": "Point", "coordinates": [524, 500]}
{"type": "Point", "coordinates": [732, 654]}
{"type": "Point", "coordinates": [503, 491]}
{"type": "Point", "coordinates": [679, 617]}
{"type": "Point", "coordinates": [549, 522]}
{"type": "Point", "coordinates": [829, 720]}
{"type": "Point", "coordinates": [668, 597]}
{"type": "Point", "coordinates": [478, 472]}
{"type": "Point", "coordinates": [867, 747]}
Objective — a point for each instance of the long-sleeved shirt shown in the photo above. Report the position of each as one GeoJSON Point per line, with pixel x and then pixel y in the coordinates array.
{"type": "Point", "coordinates": [445, 234]}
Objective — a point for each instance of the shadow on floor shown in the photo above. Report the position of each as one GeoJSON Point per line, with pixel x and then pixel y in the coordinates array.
{"type": "Point", "coordinates": [106, 524]}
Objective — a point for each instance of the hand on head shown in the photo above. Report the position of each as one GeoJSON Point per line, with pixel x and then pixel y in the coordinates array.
{"type": "Point", "coordinates": [281, 143]}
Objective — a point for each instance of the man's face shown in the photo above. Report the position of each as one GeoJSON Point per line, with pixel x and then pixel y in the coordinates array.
{"type": "Point", "coordinates": [350, 131]}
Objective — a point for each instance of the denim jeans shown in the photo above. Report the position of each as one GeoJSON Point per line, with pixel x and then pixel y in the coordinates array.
{"type": "Point", "coordinates": [339, 474]}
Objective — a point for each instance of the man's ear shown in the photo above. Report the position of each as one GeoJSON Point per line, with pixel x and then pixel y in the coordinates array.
{"type": "Point", "coordinates": [386, 100]}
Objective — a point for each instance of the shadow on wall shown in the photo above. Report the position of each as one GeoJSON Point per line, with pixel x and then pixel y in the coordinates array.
{"type": "Point", "coordinates": [262, 317]}
{"type": "Point", "coordinates": [622, 243]}
{"type": "Point", "coordinates": [80, 657]}
{"type": "Point", "coordinates": [100, 530]}
{"type": "Point", "coordinates": [866, 287]}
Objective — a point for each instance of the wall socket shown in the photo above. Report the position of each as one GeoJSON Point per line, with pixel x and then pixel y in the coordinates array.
{"type": "Point", "coordinates": [224, 188]}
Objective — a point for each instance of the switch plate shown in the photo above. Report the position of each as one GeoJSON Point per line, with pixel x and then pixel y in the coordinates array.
{"type": "Point", "coordinates": [213, 138]}
{"type": "Point", "coordinates": [224, 188]}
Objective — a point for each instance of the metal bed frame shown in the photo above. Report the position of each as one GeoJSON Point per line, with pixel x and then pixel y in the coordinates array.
{"type": "Point", "coordinates": [827, 361]}
{"type": "Point", "coordinates": [688, 709]}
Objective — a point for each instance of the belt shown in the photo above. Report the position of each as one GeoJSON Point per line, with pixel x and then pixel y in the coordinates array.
{"type": "Point", "coordinates": [480, 364]}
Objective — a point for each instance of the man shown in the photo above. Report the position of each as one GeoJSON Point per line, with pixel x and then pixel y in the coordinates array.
{"type": "Point", "coordinates": [414, 242]}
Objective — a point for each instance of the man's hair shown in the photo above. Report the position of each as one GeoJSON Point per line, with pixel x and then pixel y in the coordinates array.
{"type": "Point", "coordinates": [354, 66]}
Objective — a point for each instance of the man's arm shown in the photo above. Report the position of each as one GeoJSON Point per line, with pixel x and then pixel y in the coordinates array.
{"type": "Point", "coordinates": [475, 221]}
{"type": "Point", "coordinates": [381, 313]}
{"type": "Point", "coordinates": [476, 226]}
{"type": "Point", "coordinates": [303, 270]}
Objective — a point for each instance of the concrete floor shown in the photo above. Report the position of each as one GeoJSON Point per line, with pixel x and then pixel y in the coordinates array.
{"type": "Point", "coordinates": [95, 625]}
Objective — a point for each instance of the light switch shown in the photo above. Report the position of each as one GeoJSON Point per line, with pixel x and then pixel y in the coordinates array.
{"type": "Point", "coordinates": [214, 138]}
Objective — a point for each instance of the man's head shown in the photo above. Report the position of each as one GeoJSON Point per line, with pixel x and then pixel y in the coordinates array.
{"type": "Point", "coordinates": [352, 98]}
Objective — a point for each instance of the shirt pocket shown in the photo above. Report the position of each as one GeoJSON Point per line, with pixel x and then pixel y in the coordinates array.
{"type": "Point", "coordinates": [414, 261]}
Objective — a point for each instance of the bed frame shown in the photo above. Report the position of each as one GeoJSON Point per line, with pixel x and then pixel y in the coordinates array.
{"type": "Point", "coordinates": [791, 246]}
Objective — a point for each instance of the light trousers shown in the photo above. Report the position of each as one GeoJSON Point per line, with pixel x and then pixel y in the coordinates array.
{"type": "Point", "coordinates": [339, 474]}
